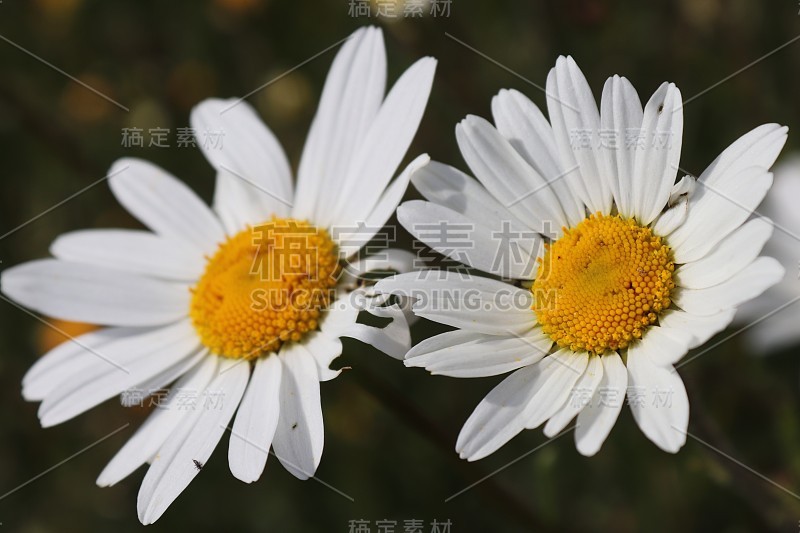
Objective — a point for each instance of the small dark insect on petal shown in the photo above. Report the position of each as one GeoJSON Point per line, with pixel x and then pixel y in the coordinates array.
{"type": "Point", "coordinates": [294, 426]}
{"type": "Point", "coordinates": [197, 464]}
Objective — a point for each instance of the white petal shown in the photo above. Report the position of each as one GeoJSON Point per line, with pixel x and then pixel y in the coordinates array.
{"type": "Point", "coordinates": [521, 122]}
{"type": "Point", "coordinates": [236, 203]}
{"type": "Point", "coordinates": [383, 146]}
{"type": "Point", "coordinates": [495, 250]}
{"type": "Point", "coordinates": [728, 258]}
{"type": "Point", "coordinates": [390, 199]}
{"type": "Point", "coordinates": [193, 440]}
{"type": "Point", "coordinates": [757, 148]}
{"type": "Point", "coordinates": [684, 188]}
{"type": "Point", "coordinates": [247, 150]}
{"type": "Point", "coordinates": [125, 363]}
{"type": "Point", "coordinates": [165, 204]}
{"type": "Point", "coordinates": [499, 417]}
{"type": "Point", "coordinates": [665, 346]}
{"type": "Point", "coordinates": [672, 218]}
{"type": "Point", "coordinates": [160, 424]}
{"type": "Point", "coordinates": [576, 126]}
{"type": "Point", "coordinates": [466, 354]}
{"type": "Point", "coordinates": [596, 419]}
{"type": "Point", "coordinates": [256, 421]}
{"type": "Point", "coordinates": [747, 284]}
{"type": "Point", "coordinates": [134, 251]}
{"type": "Point", "coordinates": [569, 366]}
{"type": "Point", "coordinates": [657, 162]}
{"type": "Point", "coordinates": [324, 348]}
{"type": "Point", "coordinates": [702, 328]}
{"type": "Point", "coordinates": [394, 339]}
{"type": "Point", "coordinates": [658, 400]}
{"type": "Point", "coordinates": [350, 100]}
{"type": "Point", "coordinates": [463, 301]}
{"type": "Point", "coordinates": [299, 437]}
{"type": "Point", "coordinates": [523, 400]}
{"type": "Point", "coordinates": [715, 213]}
{"type": "Point", "coordinates": [343, 312]}
{"type": "Point", "coordinates": [508, 177]}
{"type": "Point", "coordinates": [451, 188]}
{"type": "Point", "coordinates": [781, 201]}
{"type": "Point", "coordinates": [385, 261]}
{"type": "Point", "coordinates": [96, 295]}
{"type": "Point", "coordinates": [583, 391]}
{"type": "Point", "coordinates": [353, 236]}
{"type": "Point", "coordinates": [162, 379]}
{"type": "Point", "coordinates": [66, 359]}
{"type": "Point", "coordinates": [620, 118]}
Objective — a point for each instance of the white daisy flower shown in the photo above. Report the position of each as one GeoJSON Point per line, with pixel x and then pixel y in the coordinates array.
{"type": "Point", "coordinates": [245, 301]}
{"type": "Point", "coordinates": [620, 270]}
{"type": "Point", "coordinates": [772, 318]}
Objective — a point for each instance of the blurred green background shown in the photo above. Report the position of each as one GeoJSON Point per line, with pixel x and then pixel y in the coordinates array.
{"type": "Point", "coordinates": [390, 431]}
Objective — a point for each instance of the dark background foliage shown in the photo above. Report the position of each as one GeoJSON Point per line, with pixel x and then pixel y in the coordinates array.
{"type": "Point", "coordinates": [389, 431]}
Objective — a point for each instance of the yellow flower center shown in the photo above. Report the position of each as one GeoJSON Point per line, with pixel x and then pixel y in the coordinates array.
{"type": "Point", "coordinates": [602, 284]}
{"type": "Point", "coordinates": [265, 286]}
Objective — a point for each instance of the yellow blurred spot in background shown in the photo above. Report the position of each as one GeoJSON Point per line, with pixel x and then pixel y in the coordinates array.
{"type": "Point", "coordinates": [59, 331]}
{"type": "Point", "coordinates": [239, 6]}
{"type": "Point", "coordinates": [83, 105]}
{"type": "Point", "coordinates": [285, 98]}
{"type": "Point", "coordinates": [58, 8]}
{"type": "Point", "coordinates": [701, 13]}
{"type": "Point", "coordinates": [148, 114]}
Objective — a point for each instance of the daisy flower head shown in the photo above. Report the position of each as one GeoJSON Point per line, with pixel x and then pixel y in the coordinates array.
{"type": "Point", "coordinates": [243, 303]}
{"type": "Point", "coordinates": [772, 318]}
{"type": "Point", "coordinates": [610, 267]}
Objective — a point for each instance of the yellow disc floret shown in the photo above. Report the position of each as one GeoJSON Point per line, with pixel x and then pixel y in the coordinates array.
{"type": "Point", "coordinates": [264, 286]}
{"type": "Point", "coordinates": [602, 284]}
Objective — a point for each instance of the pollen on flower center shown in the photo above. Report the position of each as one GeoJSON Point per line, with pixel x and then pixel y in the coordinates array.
{"type": "Point", "coordinates": [264, 286]}
{"type": "Point", "coordinates": [602, 284]}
